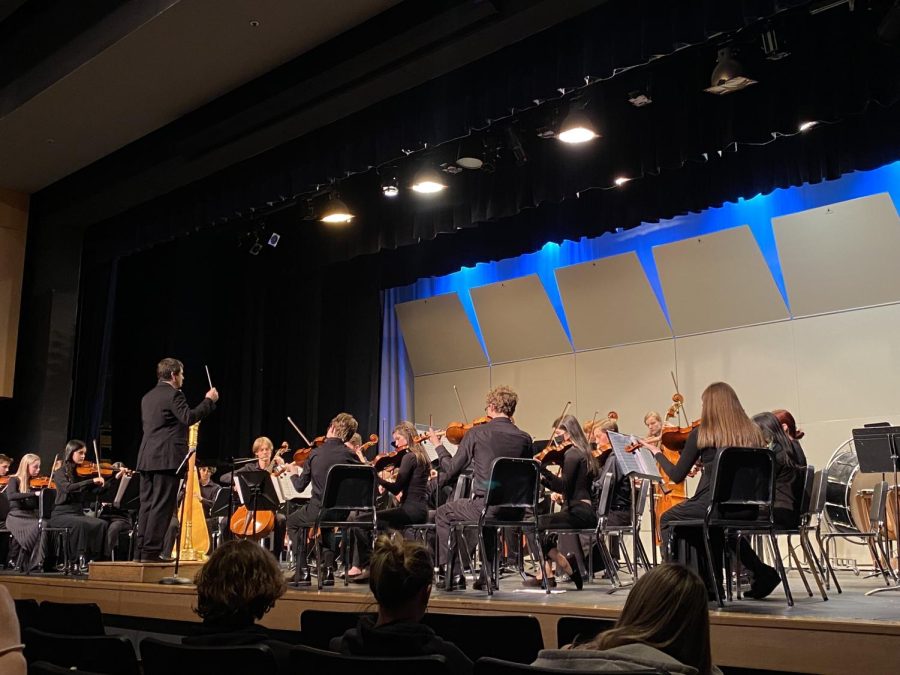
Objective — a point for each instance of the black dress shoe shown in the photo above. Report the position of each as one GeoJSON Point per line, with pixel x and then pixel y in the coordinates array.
{"type": "Point", "coordinates": [576, 571]}
{"type": "Point", "coordinates": [302, 578]}
{"type": "Point", "coordinates": [535, 582]}
{"type": "Point", "coordinates": [328, 580]}
{"type": "Point", "coordinates": [763, 585]}
{"type": "Point", "coordinates": [165, 559]}
{"type": "Point", "coordinates": [479, 584]}
{"type": "Point", "coordinates": [457, 583]}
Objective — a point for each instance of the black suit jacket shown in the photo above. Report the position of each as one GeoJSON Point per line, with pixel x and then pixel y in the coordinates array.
{"type": "Point", "coordinates": [166, 416]}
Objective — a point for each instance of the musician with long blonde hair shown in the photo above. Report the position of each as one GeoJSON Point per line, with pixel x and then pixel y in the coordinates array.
{"type": "Point", "coordinates": [723, 424]}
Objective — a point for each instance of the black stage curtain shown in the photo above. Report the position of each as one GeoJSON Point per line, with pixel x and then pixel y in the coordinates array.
{"type": "Point", "coordinates": [279, 341]}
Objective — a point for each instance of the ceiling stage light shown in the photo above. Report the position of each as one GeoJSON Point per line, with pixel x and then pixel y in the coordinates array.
{"type": "Point", "coordinates": [428, 182]}
{"type": "Point", "coordinates": [577, 128]}
{"type": "Point", "coordinates": [336, 212]}
{"type": "Point", "coordinates": [728, 75]}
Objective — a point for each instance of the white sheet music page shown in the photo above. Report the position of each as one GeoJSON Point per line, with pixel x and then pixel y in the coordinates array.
{"type": "Point", "coordinates": [639, 462]}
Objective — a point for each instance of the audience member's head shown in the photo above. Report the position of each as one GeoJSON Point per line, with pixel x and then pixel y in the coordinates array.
{"type": "Point", "coordinates": [238, 584]}
{"type": "Point", "coordinates": [667, 609]}
{"type": "Point", "coordinates": [12, 662]}
{"type": "Point", "coordinates": [400, 575]}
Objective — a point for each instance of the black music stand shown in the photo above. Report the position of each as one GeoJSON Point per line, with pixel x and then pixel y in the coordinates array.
{"type": "Point", "coordinates": [175, 580]}
{"type": "Point", "coordinates": [878, 451]}
{"type": "Point", "coordinates": [257, 493]}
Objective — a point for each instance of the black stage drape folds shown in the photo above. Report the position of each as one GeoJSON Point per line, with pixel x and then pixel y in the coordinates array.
{"type": "Point", "coordinates": [279, 341]}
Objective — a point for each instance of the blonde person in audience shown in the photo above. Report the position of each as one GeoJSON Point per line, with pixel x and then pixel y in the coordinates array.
{"type": "Point", "coordinates": [671, 635]}
{"type": "Point", "coordinates": [12, 661]}
{"type": "Point", "coordinates": [401, 574]}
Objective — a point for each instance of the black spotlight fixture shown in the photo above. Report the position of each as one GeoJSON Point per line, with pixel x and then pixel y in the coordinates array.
{"type": "Point", "coordinates": [729, 75]}
{"type": "Point", "coordinates": [390, 187]}
{"type": "Point", "coordinates": [470, 154]}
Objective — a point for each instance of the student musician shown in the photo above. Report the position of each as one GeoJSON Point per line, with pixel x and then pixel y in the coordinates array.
{"type": "Point", "coordinates": [333, 451]}
{"type": "Point", "coordinates": [410, 486]}
{"type": "Point", "coordinates": [263, 449]}
{"type": "Point", "coordinates": [723, 423]}
{"type": "Point", "coordinates": [5, 463]}
{"type": "Point", "coordinates": [789, 426]}
{"type": "Point", "coordinates": [22, 521]}
{"type": "Point", "coordinates": [208, 492]}
{"type": "Point", "coordinates": [12, 553]}
{"type": "Point", "coordinates": [789, 465]}
{"type": "Point", "coordinates": [579, 469]}
{"type": "Point", "coordinates": [120, 521]}
{"type": "Point", "coordinates": [87, 534]}
{"type": "Point", "coordinates": [478, 449]}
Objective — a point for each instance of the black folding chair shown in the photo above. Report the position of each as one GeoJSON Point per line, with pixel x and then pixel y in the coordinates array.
{"type": "Point", "coordinates": [46, 502]}
{"type": "Point", "coordinates": [166, 658]}
{"type": "Point", "coordinates": [27, 611]}
{"type": "Point", "coordinates": [106, 654]}
{"type": "Point", "coordinates": [310, 660]}
{"type": "Point", "coordinates": [513, 486]}
{"type": "Point", "coordinates": [319, 626]}
{"type": "Point", "coordinates": [580, 629]}
{"type": "Point", "coordinates": [512, 637]}
{"type": "Point", "coordinates": [70, 618]}
{"type": "Point", "coordinates": [491, 666]}
{"type": "Point", "coordinates": [348, 487]}
{"type": "Point", "coordinates": [741, 502]}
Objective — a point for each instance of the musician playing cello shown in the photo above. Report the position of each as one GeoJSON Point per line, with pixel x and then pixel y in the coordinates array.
{"type": "Point", "coordinates": [262, 450]}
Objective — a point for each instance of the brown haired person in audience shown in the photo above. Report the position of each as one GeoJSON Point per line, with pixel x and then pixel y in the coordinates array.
{"type": "Point", "coordinates": [480, 446]}
{"type": "Point", "coordinates": [663, 626]}
{"type": "Point", "coordinates": [723, 424]}
{"type": "Point", "coordinates": [579, 469]}
{"type": "Point", "coordinates": [411, 485]}
{"type": "Point", "coordinates": [401, 576]}
{"type": "Point", "coordinates": [333, 451]}
{"type": "Point", "coordinates": [87, 534]}
{"type": "Point", "coordinates": [22, 521]}
{"type": "Point", "coordinates": [235, 588]}
{"type": "Point", "coordinates": [12, 658]}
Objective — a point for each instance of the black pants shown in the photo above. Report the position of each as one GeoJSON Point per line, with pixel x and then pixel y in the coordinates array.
{"type": "Point", "coordinates": [159, 495]}
{"type": "Point", "coordinates": [579, 516]}
{"type": "Point", "coordinates": [389, 519]}
{"type": "Point", "coordinates": [299, 523]}
{"type": "Point", "coordinates": [87, 534]}
{"type": "Point", "coordinates": [467, 510]}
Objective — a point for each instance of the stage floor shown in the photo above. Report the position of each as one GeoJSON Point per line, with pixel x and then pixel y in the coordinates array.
{"type": "Point", "coordinates": [848, 633]}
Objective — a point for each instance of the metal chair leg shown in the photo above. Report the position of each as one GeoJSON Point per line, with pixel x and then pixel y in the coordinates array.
{"type": "Point", "coordinates": [780, 565]}
{"type": "Point", "coordinates": [812, 562]}
{"type": "Point", "coordinates": [710, 569]}
{"type": "Point", "coordinates": [793, 554]}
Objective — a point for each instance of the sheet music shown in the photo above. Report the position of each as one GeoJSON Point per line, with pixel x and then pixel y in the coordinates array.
{"type": "Point", "coordinates": [120, 493]}
{"type": "Point", "coordinates": [286, 491]}
{"type": "Point", "coordinates": [640, 462]}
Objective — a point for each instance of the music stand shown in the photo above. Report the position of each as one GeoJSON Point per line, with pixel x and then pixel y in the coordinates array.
{"type": "Point", "coordinates": [878, 451]}
{"type": "Point", "coordinates": [257, 493]}
{"type": "Point", "coordinates": [175, 580]}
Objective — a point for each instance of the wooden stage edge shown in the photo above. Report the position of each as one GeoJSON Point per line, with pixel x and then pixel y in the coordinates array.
{"type": "Point", "coordinates": [749, 640]}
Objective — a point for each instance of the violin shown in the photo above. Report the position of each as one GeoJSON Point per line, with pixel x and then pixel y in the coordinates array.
{"type": "Point", "coordinates": [41, 482]}
{"type": "Point", "coordinates": [456, 430]}
{"type": "Point", "coordinates": [554, 454]}
{"type": "Point", "coordinates": [389, 459]}
{"type": "Point", "coordinates": [89, 468]}
{"type": "Point", "coordinates": [4, 480]}
{"type": "Point", "coordinates": [373, 440]}
{"type": "Point", "coordinates": [301, 455]}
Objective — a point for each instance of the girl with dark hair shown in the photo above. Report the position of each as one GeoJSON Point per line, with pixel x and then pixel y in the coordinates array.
{"type": "Point", "coordinates": [579, 469]}
{"type": "Point", "coordinates": [402, 573]}
{"type": "Point", "coordinates": [411, 485]}
{"type": "Point", "coordinates": [670, 635]}
{"type": "Point", "coordinates": [789, 464]}
{"type": "Point", "coordinates": [87, 535]}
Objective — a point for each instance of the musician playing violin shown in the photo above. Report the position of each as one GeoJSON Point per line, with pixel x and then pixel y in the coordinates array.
{"type": "Point", "coordinates": [411, 485]}
{"type": "Point", "coordinates": [332, 451]}
{"type": "Point", "coordinates": [22, 520]}
{"type": "Point", "coordinates": [574, 484]}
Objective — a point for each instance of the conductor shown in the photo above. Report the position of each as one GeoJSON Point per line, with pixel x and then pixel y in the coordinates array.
{"type": "Point", "coordinates": [166, 416]}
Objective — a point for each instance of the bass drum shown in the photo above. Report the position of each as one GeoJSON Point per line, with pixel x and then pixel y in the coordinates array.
{"type": "Point", "coordinates": [845, 490]}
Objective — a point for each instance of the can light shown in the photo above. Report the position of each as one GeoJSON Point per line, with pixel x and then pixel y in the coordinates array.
{"type": "Point", "coordinates": [336, 212]}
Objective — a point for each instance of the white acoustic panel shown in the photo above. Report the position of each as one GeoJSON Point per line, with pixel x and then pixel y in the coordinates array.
{"type": "Point", "coordinates": [632, 380]}
{"type": "Point", "coordinates": [848, 364]}
{"type": "Point", "coordinates": [596, 295]}
{"type": "Point", "coordinates": [544, 386]}
{"type": "Point", "coordinates": [717, 281]}
{"type": "Point", "coordinates": [757, 361]}
{"type": "Point", "coordinates": [840, 256]}
{"type": "Point", "coordinates": [434, 396]}
{"type": "Point", "coordinates": [517, 320]}
{"type": "Point", "coordinates": [439, 336]}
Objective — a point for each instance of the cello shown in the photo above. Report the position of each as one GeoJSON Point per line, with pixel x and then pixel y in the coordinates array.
{"type": "Point", "coordinates": [258, 524]}
{"type": "Point", "coordinates": [194, 536]}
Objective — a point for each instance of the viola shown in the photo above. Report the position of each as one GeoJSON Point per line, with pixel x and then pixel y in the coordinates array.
{"type": "Point", "coordinates": [601, 449]}
{"type": "Point", "coordinates": [301, 455]}
{"type": "Point", "coordinates": [373, 440]}
{"type": "Point", "coordinates": [456, 430]}
{"type": "Point", "coordinates": [389, 459]}
{"type": "Point", "coordinates": [553, 454]}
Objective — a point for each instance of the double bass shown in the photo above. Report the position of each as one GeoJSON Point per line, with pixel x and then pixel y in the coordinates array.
{"type": "Point", "coordinates": [194, 538]}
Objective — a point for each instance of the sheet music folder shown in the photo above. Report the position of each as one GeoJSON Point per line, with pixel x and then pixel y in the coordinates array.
{"type": "Point", "coordinates": [639, 463]}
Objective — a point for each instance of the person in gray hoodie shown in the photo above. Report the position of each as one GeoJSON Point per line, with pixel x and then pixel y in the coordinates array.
{"type": "Point", "coordinates": [401, 574]}
{"type": "Point", "coordinates": [664, 625]}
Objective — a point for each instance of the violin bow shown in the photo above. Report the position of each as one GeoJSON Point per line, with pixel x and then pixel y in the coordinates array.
{"type": "Point", "coordinates": [558, 425]}
{"type": "Point", "coordinates": [459, 402]}
{"type": "Point", "coordinates": [297, 429]}
{"type": "Point", "coordinates": [97, 458]}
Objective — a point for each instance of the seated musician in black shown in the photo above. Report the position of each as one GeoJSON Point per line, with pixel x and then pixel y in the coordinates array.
{"type": "Point", "coordinates": [87, 534]}
{"type": "Point", "coordinates": [410, 487]}
{"type": "Point", "coordinates": [333, 451]}
{"type": "Point", "coordinates": [579, 468]}
{"type": "Point", "coordinates": [723, 423]}
{"type": "Point", "coordinates": [263, 451]}
{"type": "Point", "coordinates": [478, 449]}
{"type": "Point", "coordinates": [401, 579]}
{"type": "Point", "coordinates": [22, 521]}
{"type": "Point", "coordinates": [209, 490]}
{"type": "Point", "coordinates": [119, 521]}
